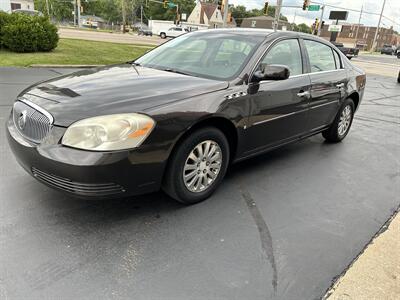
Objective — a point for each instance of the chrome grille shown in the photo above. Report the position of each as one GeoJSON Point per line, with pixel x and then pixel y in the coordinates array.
{"type": "Point", "coordinates": [30, 122]}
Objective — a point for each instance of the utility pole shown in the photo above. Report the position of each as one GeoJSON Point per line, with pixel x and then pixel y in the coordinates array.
{"type": "Point", "coordinates": [123, 15]}
{"type": "Point", "coordinates": [320, 20]}
{"type": "Point", "coordinates": [47, 8]}
{"type": "Point", "coordinates": [277, 14]}
{"type": "Point", "coordinates": [141, 15]}
{"type": "Point", "coordinates": [377, 28]}
{"type": "Point", "coordinates": [74, 12]}
{"type": "Point", "coordinates": [294, 18]}
{"type": "Point", "coordinates": [79, 13]}
{"type": "Point", "coordinates": [226, 13]}
{"type": "Point", "coordinates": [358, 26]}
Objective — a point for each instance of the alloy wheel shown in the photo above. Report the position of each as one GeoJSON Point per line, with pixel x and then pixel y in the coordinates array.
{"type": "Point", "coordinates": [202, 166]}
{"type": "Point", "coordinates": [345, 120]}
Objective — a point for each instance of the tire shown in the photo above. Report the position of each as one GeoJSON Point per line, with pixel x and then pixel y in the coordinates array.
{"type": "Point", "coordinates": [175, 185]}
{"type": "Point", "coordinates": [333, 134]}
{"type": "Point", "coordinates": [163, 35]}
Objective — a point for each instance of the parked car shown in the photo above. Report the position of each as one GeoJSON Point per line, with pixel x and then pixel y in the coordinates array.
{"type": "Point", "coordinates": [387, 49]}
{"type": "Point", "coordinates": [173, 32]}
{"type": "Point", "coordinates": [179, 115]}
{"type": "Point", "coordinates": [145, 31]}
{"type": "Point", "coordinates": [348, 52]}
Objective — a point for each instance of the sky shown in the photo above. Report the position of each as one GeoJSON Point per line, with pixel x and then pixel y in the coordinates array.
{"type": "Point", "coordinates": [392, 11]}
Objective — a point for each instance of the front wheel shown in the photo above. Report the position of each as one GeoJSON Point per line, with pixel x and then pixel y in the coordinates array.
{"type": "Point", "coordinates": [342, 123]}
{"type": "Point", "coordinates": [197, 167]}
{"type": "Point", "coordinates": [163, 35]}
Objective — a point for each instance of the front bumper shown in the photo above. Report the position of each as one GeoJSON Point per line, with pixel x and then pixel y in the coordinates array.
{"type": "Point", "coordinates": [87, 174]}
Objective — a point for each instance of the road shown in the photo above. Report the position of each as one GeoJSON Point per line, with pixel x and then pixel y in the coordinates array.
{"type": "Point", "coordinates": [101, 36]}
{"type": "Point", "coordinates": [386, 65]}
{"type": "Point", "coordinates": [283, 225]}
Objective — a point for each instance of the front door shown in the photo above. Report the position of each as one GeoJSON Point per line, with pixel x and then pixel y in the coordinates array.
{"type": "Point", "coordinates": [279, 108]}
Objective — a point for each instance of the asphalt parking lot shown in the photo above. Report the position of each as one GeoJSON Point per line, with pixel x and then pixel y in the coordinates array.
{"type": "Point", "coordinates": [283, 225]}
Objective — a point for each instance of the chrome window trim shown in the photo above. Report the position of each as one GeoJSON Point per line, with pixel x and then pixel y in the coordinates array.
{"type": "Point", "coordinates": [273, 42]}
{"type": "Point", "coordinates": [38, 108]}
{"type": "Point", "coordinates": [328, 71]}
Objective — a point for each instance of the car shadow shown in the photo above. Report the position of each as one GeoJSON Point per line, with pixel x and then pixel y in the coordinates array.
{"type": "Point", "coordinates": [157, 204]}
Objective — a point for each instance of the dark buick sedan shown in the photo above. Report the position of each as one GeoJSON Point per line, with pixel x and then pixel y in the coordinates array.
{"type": "Point", "coordinates": [176, 117]}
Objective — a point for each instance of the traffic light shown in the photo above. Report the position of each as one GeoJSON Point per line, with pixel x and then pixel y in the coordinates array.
{"type": "Point", "coordinates": [165, 3]}
{"type": "Point", "coordinates": [306, 3]}
{"type": "Point", "coordinates": [266, 8]}
{"type": "Point", "coordinates": [220, 5]}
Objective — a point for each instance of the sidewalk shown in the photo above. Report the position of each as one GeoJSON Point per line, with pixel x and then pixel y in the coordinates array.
{"type": "Point", "coordinates": [102, 36]}
{"type": "Point", "coordinates": [376, 273]}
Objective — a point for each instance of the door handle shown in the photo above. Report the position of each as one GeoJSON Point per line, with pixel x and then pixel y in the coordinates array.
{"type": "Point", "coordinates": [340, 85]}
{"type": "Point", "coordinates": [303, 94]}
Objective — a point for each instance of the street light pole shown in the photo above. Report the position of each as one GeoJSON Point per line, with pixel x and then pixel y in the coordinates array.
{"type": "Point", "coordinates": [358, 26]}
{"type": "Point", "coordinates": [277, 14]}
{"type": "Point", "coordinates": [377, 28]}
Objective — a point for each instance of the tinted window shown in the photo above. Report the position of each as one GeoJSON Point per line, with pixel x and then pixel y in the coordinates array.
{"type": "Point", "coordinates": [337, 59]}
{"type": "Point", "coordinates": [320, 55]}
{"type": "Point", "coordinates": [285, 53]}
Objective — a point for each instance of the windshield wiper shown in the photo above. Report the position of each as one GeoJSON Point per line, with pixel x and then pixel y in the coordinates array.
{"type": "Point", "coordinates": [176, 71]}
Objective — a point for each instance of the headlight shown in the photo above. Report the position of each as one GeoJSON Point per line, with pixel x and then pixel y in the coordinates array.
{"type": "Point", "coordinates": [112, 132]}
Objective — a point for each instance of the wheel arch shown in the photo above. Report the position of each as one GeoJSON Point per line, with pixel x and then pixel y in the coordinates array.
{"type": "Point", "coordinates": [219, 122]}
{"type": "Point", "coordinates": [356, 99]}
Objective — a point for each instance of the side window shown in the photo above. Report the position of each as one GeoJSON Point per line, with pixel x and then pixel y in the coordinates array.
{"type": "Point", "coordinates": [337, 59]}
{"type": "Point", "coordinates": [320, 55]}
{"type": "Point", "coordinates": [286, 53]}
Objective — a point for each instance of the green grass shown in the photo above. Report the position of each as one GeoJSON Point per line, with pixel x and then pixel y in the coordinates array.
{"type": "Point", "coordinates": [76, 52]}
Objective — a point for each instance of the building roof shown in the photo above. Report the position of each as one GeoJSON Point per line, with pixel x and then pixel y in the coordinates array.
{"type": "Point", "coordinates": [208, 9]}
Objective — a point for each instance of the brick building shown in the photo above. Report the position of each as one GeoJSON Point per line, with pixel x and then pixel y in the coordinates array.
{"type": "Point", "coordinates": [364, 37]}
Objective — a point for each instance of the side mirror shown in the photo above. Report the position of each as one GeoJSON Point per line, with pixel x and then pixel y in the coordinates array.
{"type": "Point", "coordinates": [271, 72]}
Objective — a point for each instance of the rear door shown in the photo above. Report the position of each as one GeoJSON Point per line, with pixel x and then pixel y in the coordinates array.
{"type": "Point", "coordinates": [328, 83]}
{"type": "Point", "coordinates": [279, 107]}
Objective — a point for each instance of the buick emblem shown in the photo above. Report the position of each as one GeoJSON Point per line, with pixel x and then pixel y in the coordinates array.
{"type": "Point", "coordinates": [22, 120]}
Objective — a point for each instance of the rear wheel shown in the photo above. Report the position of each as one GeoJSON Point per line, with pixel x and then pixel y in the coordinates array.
{"type": "Point", "coordinates": [341, 126]}
{"type": "Point", "coordinates": [163, 35]}
{"type": "Point", "coordinates": [197, 167]}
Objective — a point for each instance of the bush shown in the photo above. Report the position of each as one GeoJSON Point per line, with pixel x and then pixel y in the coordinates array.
{"type": "Point", "coordinates": [23, 33]}
{"type": "Point", "coordinates": [4, 20]}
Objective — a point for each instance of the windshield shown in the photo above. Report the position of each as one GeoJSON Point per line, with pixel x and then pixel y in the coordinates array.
{"type": "Point", "coordinates": [204, 54]}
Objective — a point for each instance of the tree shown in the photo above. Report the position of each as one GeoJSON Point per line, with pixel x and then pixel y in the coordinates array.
{"type": "Point", "coordinates": [240, 12]}
{"type": "Point", "coordinates": [157, 11]}
{"type": "Point", "coordinates": [301, 27]}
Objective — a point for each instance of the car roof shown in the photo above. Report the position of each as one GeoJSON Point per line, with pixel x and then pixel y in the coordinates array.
{"type": "Point", "coordinates": [267, 32]}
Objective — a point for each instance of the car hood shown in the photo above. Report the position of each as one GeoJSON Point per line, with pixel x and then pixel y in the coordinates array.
{"type": "Point", "coordinates": [114, 89]}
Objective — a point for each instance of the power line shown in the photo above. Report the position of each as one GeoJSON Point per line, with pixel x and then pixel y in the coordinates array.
{"type": "Point", "coordinates": [356, 10]}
